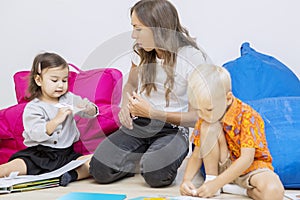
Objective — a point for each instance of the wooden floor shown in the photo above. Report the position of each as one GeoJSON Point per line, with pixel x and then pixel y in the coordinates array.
{"type": "Point", "coordinates": [131, 187]}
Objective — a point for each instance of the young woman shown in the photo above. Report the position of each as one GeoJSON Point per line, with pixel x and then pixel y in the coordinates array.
{"type": "Point", "coordinates": [155, 113]}
{"type": "Point", "coordinates": [49, 126]}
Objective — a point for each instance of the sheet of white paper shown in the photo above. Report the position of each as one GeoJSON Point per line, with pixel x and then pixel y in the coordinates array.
{"type": "Point", "coordinates": [13, 175]}
{"type": "Point", "coordinates": [172, 198]}
{"type": "Point", "coordinates": [74, 109]}
{"type": "Point", "coordinates": [62, 105]}
{"type": "Point", "coordinates": [186, 198]}
{"type": "Point", "coordinates": [294, 196]}
{"type": "Point", "coordinates": [77, 109]}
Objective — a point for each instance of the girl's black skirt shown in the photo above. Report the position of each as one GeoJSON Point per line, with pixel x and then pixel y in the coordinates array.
{"type": "Point", "coordinates": [42, 159]}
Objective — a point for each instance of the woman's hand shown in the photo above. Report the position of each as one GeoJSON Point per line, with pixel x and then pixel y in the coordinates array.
{"type": "Point", "coordinates": [139, 107]}
{"type": "Point", "coordinates": [125, 118]}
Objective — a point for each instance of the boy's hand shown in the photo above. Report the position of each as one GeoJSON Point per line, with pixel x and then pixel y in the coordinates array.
{"type": "Point", "coordinates": [188, 189]}
{"type": "Point", "coordinates": [208, 189]}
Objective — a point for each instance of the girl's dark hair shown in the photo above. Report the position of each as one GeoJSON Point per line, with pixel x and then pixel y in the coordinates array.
{"type": "Point", "coordinates": [40, 62]}
{"type": "Point", "coordinates": [169, 35]}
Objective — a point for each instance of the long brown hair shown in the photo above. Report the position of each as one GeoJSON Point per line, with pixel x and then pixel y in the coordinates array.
{"type": "Point", "coordinates": [169, 35]}
{"type": "Point", "coordinates": [40, 62]}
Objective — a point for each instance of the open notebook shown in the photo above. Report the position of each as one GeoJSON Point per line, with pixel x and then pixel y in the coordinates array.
{"type": "Point", "coordinates": [15, 183]}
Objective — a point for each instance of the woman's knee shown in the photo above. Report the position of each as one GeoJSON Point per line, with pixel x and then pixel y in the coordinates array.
{"type": "Point", "coordinates": [159, 175]}
{"type": "Point", "coordinates": [100, 172]}
{"type": "Point", "coordinates": [160, 178]}
{"type": "Point", "coordinates": [104, 174]}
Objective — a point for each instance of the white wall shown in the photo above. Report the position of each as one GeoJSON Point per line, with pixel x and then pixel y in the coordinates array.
{"type": "Point", "coordinates": [80, 29]}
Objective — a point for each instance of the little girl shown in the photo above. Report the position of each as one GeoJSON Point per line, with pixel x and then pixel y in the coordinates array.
{"type": "Point", "coordinates": [49, 126]}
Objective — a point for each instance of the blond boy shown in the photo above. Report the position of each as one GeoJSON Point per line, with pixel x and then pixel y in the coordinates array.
{"type": "Point", "coordinates": [229, 139]}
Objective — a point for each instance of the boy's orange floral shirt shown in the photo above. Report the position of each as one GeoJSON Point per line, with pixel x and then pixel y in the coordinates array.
{"type": "Point", "coordinates": [243, 128]}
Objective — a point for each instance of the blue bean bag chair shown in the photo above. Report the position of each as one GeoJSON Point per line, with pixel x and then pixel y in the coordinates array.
{"type": "Point", "coordinates": [273, 90]}
{"type": "Point", "coordinates": [256, 76]}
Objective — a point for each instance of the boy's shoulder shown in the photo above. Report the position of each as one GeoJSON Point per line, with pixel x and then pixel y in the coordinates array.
{"type": "Point", "coordinates": [238, 111]}
{"type": "Point", "coordinates": [247, 109]}
{"type": "Point", "coordinates": [239, 105]}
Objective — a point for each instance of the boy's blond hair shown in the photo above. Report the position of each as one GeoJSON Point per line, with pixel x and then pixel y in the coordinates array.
{"type": "Point", "coordinates": [207, 81]}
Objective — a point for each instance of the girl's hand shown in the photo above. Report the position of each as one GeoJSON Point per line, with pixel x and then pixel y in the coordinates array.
{"type": "Point", "coordinates": [188, 189]}
{"type": "Point", "coordinates": [139, 107]}
{"type": "Point", "coordinates": [83, 103]}
{"type": "Point", "coordinates": [62, 114]}
{"type": "Point", "coordinates": [87, 107]}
